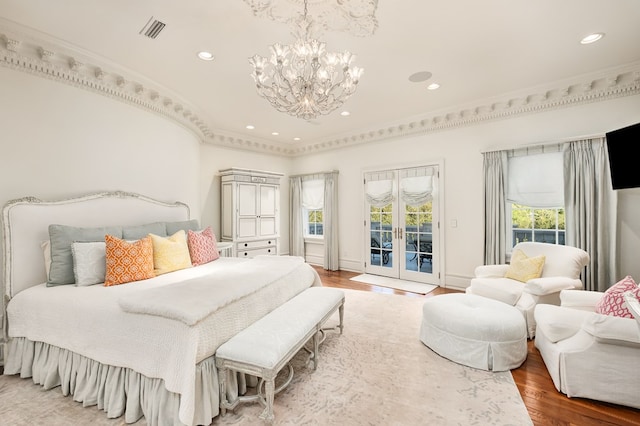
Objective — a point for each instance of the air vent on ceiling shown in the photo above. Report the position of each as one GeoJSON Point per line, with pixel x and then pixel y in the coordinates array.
{"type": "Point", "coordinates": [153, 28]}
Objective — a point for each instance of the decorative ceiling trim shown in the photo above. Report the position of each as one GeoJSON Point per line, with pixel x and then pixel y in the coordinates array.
{"type": "Point", "coordinates": [47, 59]}
{"type": "Point", "coordinates": [618, 83]}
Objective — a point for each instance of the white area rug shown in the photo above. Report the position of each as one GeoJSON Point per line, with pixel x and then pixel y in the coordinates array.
{"type": "Point", "coordinates": [403, 285]}
{"type": "Point", "coordinates": [376, 373]}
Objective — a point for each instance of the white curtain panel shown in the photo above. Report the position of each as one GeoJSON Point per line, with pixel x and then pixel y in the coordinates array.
{"type": "Point", "coordinates": [591, 210]}
{"type": "Point", "coordinates": [495, 212]}
{"type": "Point", "coordinates": [416, 185]}
{"type": "Point", "coordinates": [296, 224]}
{"type": "Point", "coordinates": [330, 212]}
{"type": "Point", "coordinates": [313, 194]}
{"type": "Point", "coordinates": [536, 180]}
{"type": "Point", "coordinates": [379, 193]}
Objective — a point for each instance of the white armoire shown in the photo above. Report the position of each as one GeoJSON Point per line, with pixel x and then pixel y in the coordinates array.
{"type": "Point", "coordinates": [250, 211]}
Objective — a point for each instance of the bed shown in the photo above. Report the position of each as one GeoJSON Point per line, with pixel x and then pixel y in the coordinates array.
{"type": "Point", "coordinates": [141, 349]}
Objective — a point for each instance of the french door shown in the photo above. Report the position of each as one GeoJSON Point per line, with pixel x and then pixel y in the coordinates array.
{"type": "Point", "coordinates": [401, 220]}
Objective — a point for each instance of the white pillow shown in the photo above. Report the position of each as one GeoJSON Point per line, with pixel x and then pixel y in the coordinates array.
{"type": "Point", "coordinates": [89, 262]}
{"type": "Point", "coordinates": [46, 251]}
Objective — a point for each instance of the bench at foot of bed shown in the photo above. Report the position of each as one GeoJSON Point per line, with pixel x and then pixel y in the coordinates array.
{"type": "Point", "coordinates": [266, 346]}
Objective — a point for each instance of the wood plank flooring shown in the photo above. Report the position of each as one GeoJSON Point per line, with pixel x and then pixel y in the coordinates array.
{"type": "Point", "coordinates": [545, 404]}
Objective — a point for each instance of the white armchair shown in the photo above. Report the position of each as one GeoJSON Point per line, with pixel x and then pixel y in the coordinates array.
{"type": "Point", "coordinates": [562, 268]}
{"type": "Point", "coordinates": [587, 354]}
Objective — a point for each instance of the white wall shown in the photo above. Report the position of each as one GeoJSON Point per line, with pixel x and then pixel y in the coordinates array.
{"type": "Point", "coordinates": [58, 141]}
{"type": "Point", "coordinates": [461, 151]}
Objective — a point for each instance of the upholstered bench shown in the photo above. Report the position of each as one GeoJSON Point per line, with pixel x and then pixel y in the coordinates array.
{"type": "Point", "coordinates": [267, 345]}
{"type": "Point", "coordinates": [474, 331]}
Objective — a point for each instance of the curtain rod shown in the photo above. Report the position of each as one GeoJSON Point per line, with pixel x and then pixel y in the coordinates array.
{"type": "Point", "coordinates": [316, 173]}
{"type": "Point", "coordinates": [537, 144]}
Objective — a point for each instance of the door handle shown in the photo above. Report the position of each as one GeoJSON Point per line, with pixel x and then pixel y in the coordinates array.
{"type": "Point", "coordinates": [400, 233]}
{"type": "Point", "coordinates": [395, 233]}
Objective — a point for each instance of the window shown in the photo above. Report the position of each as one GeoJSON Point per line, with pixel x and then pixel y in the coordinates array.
{"type": "Point", "coordinates": [314, 227]}
{"type": "Point", "coordinates": [535, 196]}
{"type": "Point", "coordinates": [313, 206]}
{"type": "Point", "coordinates": [543, 225]}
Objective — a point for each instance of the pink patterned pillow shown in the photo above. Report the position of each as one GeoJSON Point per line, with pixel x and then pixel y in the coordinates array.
{"type": "Point", "coordinates": [202, 246]}
{"type": "Point", "coordinates": [612, 302]}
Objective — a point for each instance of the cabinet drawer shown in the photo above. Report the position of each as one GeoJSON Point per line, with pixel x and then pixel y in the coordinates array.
{"type": "Point", "coordinates": [248, 245]}
{"type": "Point", "coordinates": [256, 252]}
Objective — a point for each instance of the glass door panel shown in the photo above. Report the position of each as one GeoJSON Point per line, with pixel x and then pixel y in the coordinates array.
{"type": "Point", "coordinates": [381, 241]}
{"type": "Point", "coordinates": [401, 238]}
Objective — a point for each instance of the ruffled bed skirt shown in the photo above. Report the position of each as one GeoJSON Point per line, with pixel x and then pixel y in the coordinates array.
{"type": "Point", "coordinates": [116, 390]}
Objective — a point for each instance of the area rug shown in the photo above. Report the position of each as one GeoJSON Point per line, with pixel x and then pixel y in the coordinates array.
{"type": "Point", "coordinates": [394, 283]}
{"type": "Point", "coordinates": [376, 373]}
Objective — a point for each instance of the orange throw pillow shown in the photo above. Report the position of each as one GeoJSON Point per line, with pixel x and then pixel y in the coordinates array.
{"type": "Point", "coordinates": [127, 262]}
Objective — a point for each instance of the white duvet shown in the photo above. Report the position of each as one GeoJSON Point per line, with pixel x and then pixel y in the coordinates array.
{"type": "Point", "coordinates": [179, 327]}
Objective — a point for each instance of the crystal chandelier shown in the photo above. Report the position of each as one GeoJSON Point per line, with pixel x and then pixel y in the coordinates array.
{"type": "Point", "coordinates": [303, 79]}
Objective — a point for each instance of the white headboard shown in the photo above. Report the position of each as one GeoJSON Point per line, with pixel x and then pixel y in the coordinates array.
{"type": "Point", "coordinates": [26, 225]}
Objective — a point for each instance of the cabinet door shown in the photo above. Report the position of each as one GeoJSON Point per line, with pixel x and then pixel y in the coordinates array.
{"type": "Point", "coordinates": [247, 208]}
{"type": "Point", "coordinates": [268, 208]}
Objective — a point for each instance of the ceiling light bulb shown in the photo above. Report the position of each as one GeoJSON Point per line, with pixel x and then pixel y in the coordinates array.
{"type": "Point", "coordinates": [275, 133]}
{"type": "Point", "coordinates": [345, 113]}
{"type": "Point", "coordinates": [250, 127]}
{"type": "Point", "coordinates": [433, 86]}
{"type": "Point", "coordinates": [205, 56]}
{"type": "Point", "coordinates": [592, 38]}
{"type": "Point", "coordinates": [296, 138]}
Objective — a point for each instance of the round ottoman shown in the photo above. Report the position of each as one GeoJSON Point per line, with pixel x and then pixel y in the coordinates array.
{"type": "Point", "coordinates": [474, 331]}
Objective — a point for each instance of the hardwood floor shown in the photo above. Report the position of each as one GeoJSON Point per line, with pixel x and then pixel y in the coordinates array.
{"type": "Point", "coordinates": [545, 404]}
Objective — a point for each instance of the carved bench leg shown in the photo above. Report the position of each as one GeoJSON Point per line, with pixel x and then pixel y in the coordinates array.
{"type": "Point", "coordinates": [222, 380]}
{"type": "Point", "coordinates": [269, 390]}
{"type": "Point", "coordinates": [316, 346]}
{"type": "Point", "coordinates": [341, 313]}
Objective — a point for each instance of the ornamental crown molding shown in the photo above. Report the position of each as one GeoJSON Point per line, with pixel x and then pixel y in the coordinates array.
{"type": "Point", "coordinates": [43, 56]}
{"type": "Point", "coordinates": [50, 58]}
{"type": "Point", "coordinates": [610, 84]}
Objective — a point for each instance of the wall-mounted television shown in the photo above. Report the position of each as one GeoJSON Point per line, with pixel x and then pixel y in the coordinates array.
{"type": "Point", "coordinates": [623, 161]}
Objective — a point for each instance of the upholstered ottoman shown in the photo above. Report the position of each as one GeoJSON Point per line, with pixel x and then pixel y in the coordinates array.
{"type": "Point", "coordinates": [474, 331]}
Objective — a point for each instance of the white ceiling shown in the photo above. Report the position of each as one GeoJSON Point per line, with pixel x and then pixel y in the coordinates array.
{"type": "Point", "coordinates": [476, 50]}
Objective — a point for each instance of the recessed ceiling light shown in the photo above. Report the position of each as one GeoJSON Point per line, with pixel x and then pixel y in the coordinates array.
{"type": "Point", "coordinates": [420, 76]}
{"type": "Point", "coordinates": [345, 113]}
{"type": "Point", "coordinates": [250, 127]}
{"type": "Point", "coordinates": [296, 138]}
{"type": "Point", "coordinates": [205, 56]}
{"type": "Point", "coordinates": [275, 133]}
{"type": "Point", "coordinates": [592, 38]}
{"type": "Point", "coordinates": [433, 86]}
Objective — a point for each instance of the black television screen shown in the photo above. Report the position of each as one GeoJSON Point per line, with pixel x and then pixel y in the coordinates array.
{"type": "Point", "coordinates": [623, 162]}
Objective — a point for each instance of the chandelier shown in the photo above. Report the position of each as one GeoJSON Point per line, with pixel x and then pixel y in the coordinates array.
{"type": "Point", "coordinates": [303, 79]}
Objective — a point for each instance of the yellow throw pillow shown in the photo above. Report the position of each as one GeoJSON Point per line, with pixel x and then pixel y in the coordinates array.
{"type": "Point", "coordinates": [524, 268]}
{"type": "Point", "coordinates": [170, 253]}
{"type": "Point", "coordinates": [126, 262]}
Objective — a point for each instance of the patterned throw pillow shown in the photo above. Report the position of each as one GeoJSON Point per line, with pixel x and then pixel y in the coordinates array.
{"type": "Point", "coordinates": [203, 246]}
{"type": "Point", "coordinates": [89, 263]}
{"type": "Point", "coordinates": [127, 262]}
{"type": "Point", "coordinates": [170, 253]}
{"type": "Point", "coordinates": [612, 301]}
{"type": "Point", "coordinates": [524, 268]}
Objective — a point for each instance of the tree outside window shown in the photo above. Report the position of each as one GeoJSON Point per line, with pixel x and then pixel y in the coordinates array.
{"type": "Point", "coordinates": [544, 225]}
{"type": "Point", "coordinates": [315, 227]}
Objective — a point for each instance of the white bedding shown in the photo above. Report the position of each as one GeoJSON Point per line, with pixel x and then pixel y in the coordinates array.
{"type": "Point", "coordinates": [91, 322]}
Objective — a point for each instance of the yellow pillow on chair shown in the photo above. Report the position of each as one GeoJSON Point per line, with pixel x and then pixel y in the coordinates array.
{"type": "Point", "coordinates": [524, 268]}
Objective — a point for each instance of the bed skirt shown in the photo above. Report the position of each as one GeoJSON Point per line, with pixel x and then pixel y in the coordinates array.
{"type": "Point", "coordinates": [116, 390]}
